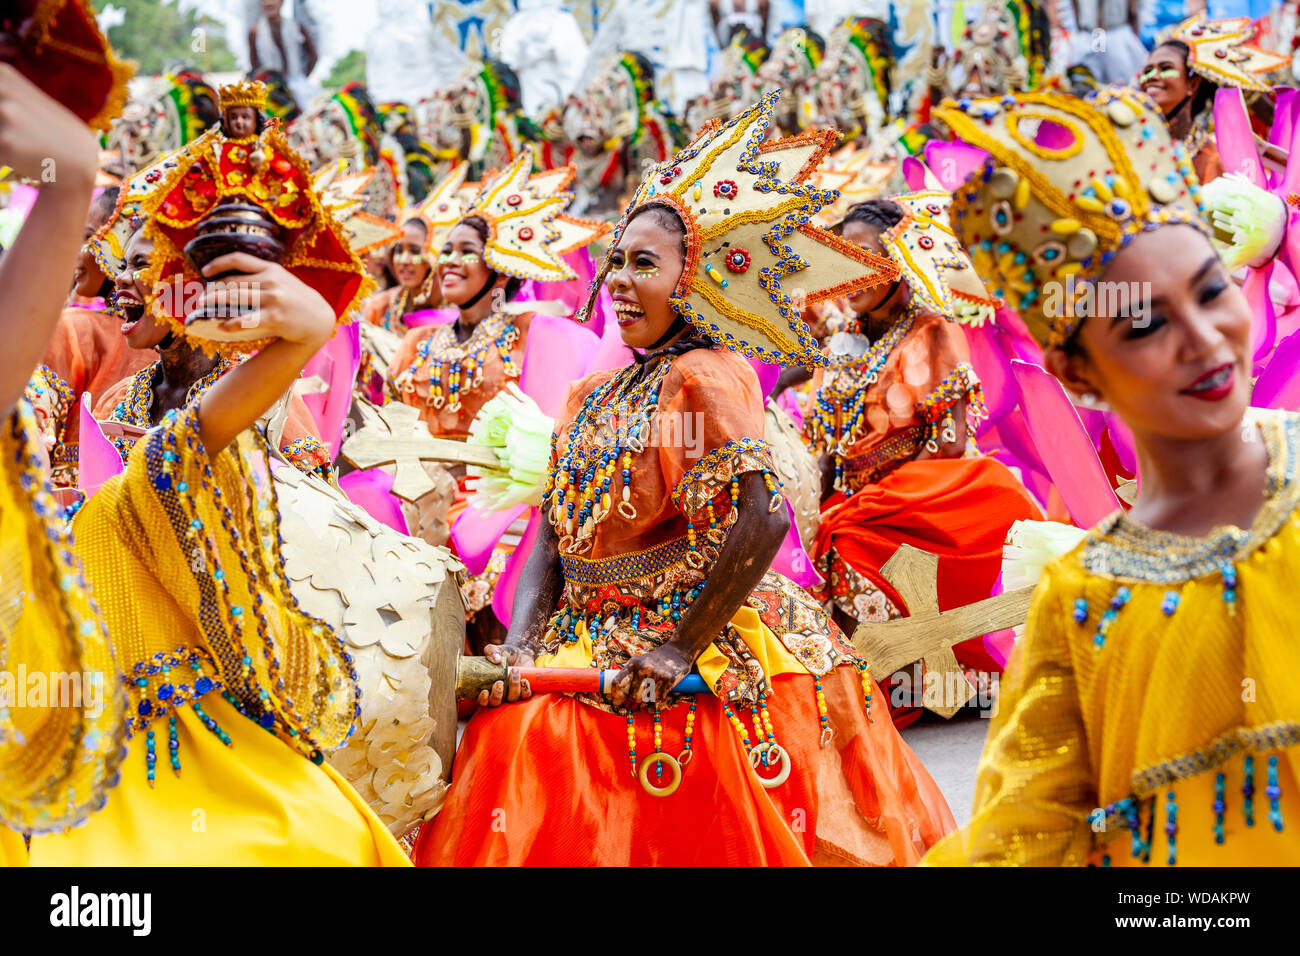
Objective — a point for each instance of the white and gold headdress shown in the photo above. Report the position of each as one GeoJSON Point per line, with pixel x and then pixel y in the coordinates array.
{"type": "Point", "coordinates": [936, 267]}
{"type": "Point", "coordinates": [750, 239]}
{"type": "Point", "coordinates": [445, 206]}
{"type": "Point", "coordinates": [528, 231]}
{"type": "Point", "coordinates": [342, 194]}
{"type": "Point", "coordinates": [1221, 52]}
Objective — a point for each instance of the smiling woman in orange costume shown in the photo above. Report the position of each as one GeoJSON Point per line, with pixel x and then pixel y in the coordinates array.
{"type": "Point", "coordinates": [663, 516]}
{"type": "Point", "coordinates": [511, 230]}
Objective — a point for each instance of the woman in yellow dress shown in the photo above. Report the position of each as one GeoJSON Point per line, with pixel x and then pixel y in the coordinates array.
{"type": "Point", "coordinates": [1147, 712]}
{"type": "Point", "coordinates": [234, 693]}
{"type": "Point", "coordinates": [56, 762]}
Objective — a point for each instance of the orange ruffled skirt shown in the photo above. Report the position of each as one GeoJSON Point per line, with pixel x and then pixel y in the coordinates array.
{"type": "Point", "coordinates": [957, 508]}
{"type": "Point", "coordinates": [547, 782]}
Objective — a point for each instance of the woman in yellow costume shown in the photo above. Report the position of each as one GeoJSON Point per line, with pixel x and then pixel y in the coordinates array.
{"type": "Point", "coordinates": [662, 518]}
{"type": "Point", "coordinates": [234, 693]}
{"type": "Point", "coordinates": [56, 762]}
{"type": "Point", "coordinates": [1147, 712]}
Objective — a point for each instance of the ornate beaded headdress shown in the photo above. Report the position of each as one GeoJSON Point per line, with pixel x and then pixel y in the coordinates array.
{"type": "Point", "coordinates": [1068, 183]}
{"type": "Point", "coordinates": [936, 267]}
{"type": "Point", "coordinates": [1221, 52]}
{"type": "Point", "coordinates": [343, 195]}
{"type": "Point", "coordinates": [750, 240]}
{"type": "Point", "coordinates": [108, 245]}
{"type": "Point", "coordinates": [527, 231]}
{"type": "Point", "coordinates": [61, 50]}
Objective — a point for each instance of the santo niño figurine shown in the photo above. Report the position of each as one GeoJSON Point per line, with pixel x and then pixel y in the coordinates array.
{"type": "Point", "coordinates": [240, 187]}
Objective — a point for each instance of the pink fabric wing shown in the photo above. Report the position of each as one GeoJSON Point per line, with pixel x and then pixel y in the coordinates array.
{"type": "Point", "coordinates": [336, 364]}
{"type": "Point", "coordinates": [953, 163]}
{"type": "Point", "coordinates": [1235, 138]}
{"type": "Point", "coordinates": [1063, 445]}
{"type": "Point", "coordinates": [372, 490]}
{"type": "Point", "coordinates": [99, 460]}
{"type": "Point", "coordinates": [475, 533]}
{"type": "Point", "coordinates": [422, 317]}
{"type": "Point", "coordinates": [558, 351]}
{"type": "Point", "coordinates": [1279, 385]}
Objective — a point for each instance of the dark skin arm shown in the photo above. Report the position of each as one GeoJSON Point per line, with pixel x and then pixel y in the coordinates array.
{"type": "Point", "coordinates": [309, 51]}
{"type": "Point", "coordinates": [950, 449]}
{"type": "Point", "coordinates": [254, 64]}
{"type": "Point", "coordinates": [752, 543]}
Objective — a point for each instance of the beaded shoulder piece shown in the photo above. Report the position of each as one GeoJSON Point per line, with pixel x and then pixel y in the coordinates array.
{"type": "Point", "coordinates": [1123, 549]}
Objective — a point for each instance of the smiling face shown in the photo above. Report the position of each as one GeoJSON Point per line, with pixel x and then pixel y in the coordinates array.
{"type": "Point", "coordinates": [462, 270]}
{"type": "Point", "coordinates": [1176, 362]}
{"type": "Point", "coordinates": [881, 298]}
{"type": "Point", "coordinates": [644, 269]}
{"type": "Point", "coordinates": [1164, 78]}
{"type": "Point", "coordinates": [141, 329]}
{"type": "Point", "coordinates": [409, 263]}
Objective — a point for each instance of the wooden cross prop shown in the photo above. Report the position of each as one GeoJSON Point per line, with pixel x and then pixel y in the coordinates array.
{"type": "Point", "coordinates": [928, 634]}
{"type": "Point", "coordinates": [394, 435]}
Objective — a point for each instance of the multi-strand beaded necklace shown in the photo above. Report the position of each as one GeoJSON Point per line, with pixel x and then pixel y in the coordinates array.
{"type": "Point", "coordinates": [136, 406]}
{"type": "Point", "coordinates": [613, 424]}
{"type": "Point", "coordinates": [836, 422]}
{"type": "Point", "coordinates": [457, 367]}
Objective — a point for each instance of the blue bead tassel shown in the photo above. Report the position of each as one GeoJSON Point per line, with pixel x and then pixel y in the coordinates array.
{"type": "Point", "coordinates": [1274, 793]}
{"type": "Point", "coordinates": [1171, 826]}
{"type": "Point", "coordinates": [1220, 805]}
{"type": "Point", "coordinates": [1108, 616]}
{"type": "Point", "coordinates": [1248, 792]}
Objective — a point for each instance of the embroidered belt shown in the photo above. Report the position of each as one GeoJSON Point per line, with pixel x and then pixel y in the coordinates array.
{"type": "Point", "coordinates": [885, 456]}
{"type": "Point", "coordinates": [65, 454]}
{"type": "Point", "coordinates": [635, 565]}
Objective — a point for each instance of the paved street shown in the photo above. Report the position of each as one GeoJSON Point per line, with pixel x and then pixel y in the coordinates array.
{"type": "Point", "coordinates": [950, 750]}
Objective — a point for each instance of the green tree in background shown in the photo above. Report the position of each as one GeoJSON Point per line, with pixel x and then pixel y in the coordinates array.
{"type": "Point", "coordinates": [158, 35]}
{"type": "Point", "coordinates": [350, 67]}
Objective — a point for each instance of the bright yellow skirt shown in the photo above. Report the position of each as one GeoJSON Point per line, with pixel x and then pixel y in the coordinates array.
{"type": "Point", "coordinates": [254, 803]}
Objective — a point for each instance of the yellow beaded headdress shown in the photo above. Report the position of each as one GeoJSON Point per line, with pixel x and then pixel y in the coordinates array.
{"type": "Point", "coordinates": [342, 194]}
{"type": "Point", "coordinates": [752, 250]}
{"type": "Point", "coordinates": [1221, 52]}
{"type": "Point", "coordinates": [936, 267]}
{"type": "Point", "coordinates": [244, 93]}
{"type": "Point", "coordinates": [1068, 183]}
{"type": "Point", "coordinates": [108, 245]}
{"type": "Point", "coordinates": [527, 230]}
